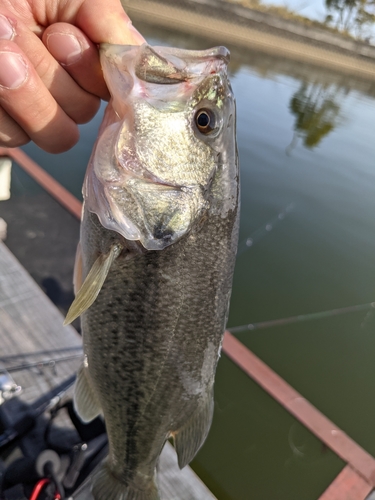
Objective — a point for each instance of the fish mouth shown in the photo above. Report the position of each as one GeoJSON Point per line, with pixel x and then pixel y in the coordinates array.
{"type": "Point", "coordinates": [166, 65]}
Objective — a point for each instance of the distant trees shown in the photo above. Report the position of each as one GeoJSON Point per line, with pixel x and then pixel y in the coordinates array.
{"type": "Point", "coordinates": [354, 16]}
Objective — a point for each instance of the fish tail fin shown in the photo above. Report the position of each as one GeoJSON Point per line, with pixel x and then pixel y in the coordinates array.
{"type": "Point", "coordinates": [107, 487]}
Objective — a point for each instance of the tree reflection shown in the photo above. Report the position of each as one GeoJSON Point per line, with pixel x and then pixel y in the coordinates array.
{"type": "Point", "coordinates": [316, 110]}
{"type": "Point", "coordinates": [352, 16]}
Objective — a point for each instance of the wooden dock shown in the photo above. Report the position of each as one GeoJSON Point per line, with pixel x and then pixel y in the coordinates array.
{"type": "Point", "coordinates": [39, 353]}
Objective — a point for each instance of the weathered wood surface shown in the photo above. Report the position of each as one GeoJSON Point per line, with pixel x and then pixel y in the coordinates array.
{"type": "Point", "coordinates": [31, 331]}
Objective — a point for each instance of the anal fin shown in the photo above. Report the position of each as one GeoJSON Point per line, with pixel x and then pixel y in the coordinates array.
{"type": "Point", "coordinates": [189, 439]}
{"type": "Point", "coordinates": [85, 402]}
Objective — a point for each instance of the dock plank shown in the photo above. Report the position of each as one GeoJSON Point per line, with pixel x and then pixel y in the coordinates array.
{"type": "Point", "coordinates": [31, 331]}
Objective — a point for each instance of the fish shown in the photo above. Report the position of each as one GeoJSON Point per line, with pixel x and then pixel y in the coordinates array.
{"type": "Point", "coordinates": [155, 262]}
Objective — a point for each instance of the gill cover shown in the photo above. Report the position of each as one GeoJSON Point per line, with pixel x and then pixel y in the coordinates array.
{"type": "Point", "coordinates": [161, 142]}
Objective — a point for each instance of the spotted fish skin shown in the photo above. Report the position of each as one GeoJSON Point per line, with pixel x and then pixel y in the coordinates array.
{"type": "Point", "coordinates": [152, 338]}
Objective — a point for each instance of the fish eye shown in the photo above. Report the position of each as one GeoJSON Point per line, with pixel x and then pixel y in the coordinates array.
{"type": "Point", "coordinates": [205, 120]}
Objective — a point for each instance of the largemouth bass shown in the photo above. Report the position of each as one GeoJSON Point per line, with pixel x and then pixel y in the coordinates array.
{"type": "Point", "coordinates": [157, 251]}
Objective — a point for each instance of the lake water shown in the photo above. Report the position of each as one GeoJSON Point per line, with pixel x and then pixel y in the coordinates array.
{"type": "Point", "coordinates": [307, 245]}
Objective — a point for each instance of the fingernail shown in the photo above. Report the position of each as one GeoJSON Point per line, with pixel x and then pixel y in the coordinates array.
{"type": "Point", "coordinates": [13, 70]}
{"type": "Point", "coordinates": [6, 29]}
{"type": "Point", "coordinates": [65, 48]}
{"type": "Point", "coordinates": [135, 34]}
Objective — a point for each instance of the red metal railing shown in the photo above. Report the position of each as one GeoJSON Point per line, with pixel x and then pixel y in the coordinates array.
{"type": "Point", "coordinates": [357, 479]}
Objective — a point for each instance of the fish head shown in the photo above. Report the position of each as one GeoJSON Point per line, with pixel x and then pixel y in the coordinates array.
{"type": "Point", "coordinates": [166, 138]}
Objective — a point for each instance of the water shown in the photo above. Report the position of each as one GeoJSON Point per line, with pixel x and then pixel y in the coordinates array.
{"type": "Point", "coordinates": [307, 245]}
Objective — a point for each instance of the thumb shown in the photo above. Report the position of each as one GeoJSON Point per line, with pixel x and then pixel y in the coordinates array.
{"type": "Point", "coordinates": [106, 21]}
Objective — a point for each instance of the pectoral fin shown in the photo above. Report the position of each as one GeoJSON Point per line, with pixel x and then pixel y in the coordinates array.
{"type": "Point", "coordinates": [85, 403]}
{"type": "Point", "coordinates": [192, 435]}
{"type": "Point", "coordinates": [92, 285]}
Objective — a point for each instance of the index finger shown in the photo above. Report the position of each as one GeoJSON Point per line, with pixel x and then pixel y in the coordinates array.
{"type": "Point", "coordinates": [106, 21]}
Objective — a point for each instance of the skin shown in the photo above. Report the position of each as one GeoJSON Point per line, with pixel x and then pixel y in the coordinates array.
{"type": "Point", "coordinates": [63, 82]}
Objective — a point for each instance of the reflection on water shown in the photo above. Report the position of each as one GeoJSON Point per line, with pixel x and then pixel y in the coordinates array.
{"type": "Point", "coordinates": [307, 247]}
{"type": "Point", "coordinates": [316, 109]}
{"type": "Point", "coordinates": [305, 449]}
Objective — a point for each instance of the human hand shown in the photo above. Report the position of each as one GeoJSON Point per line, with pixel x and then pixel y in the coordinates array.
{"type": "Point", "coordinates": [50, 74]}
